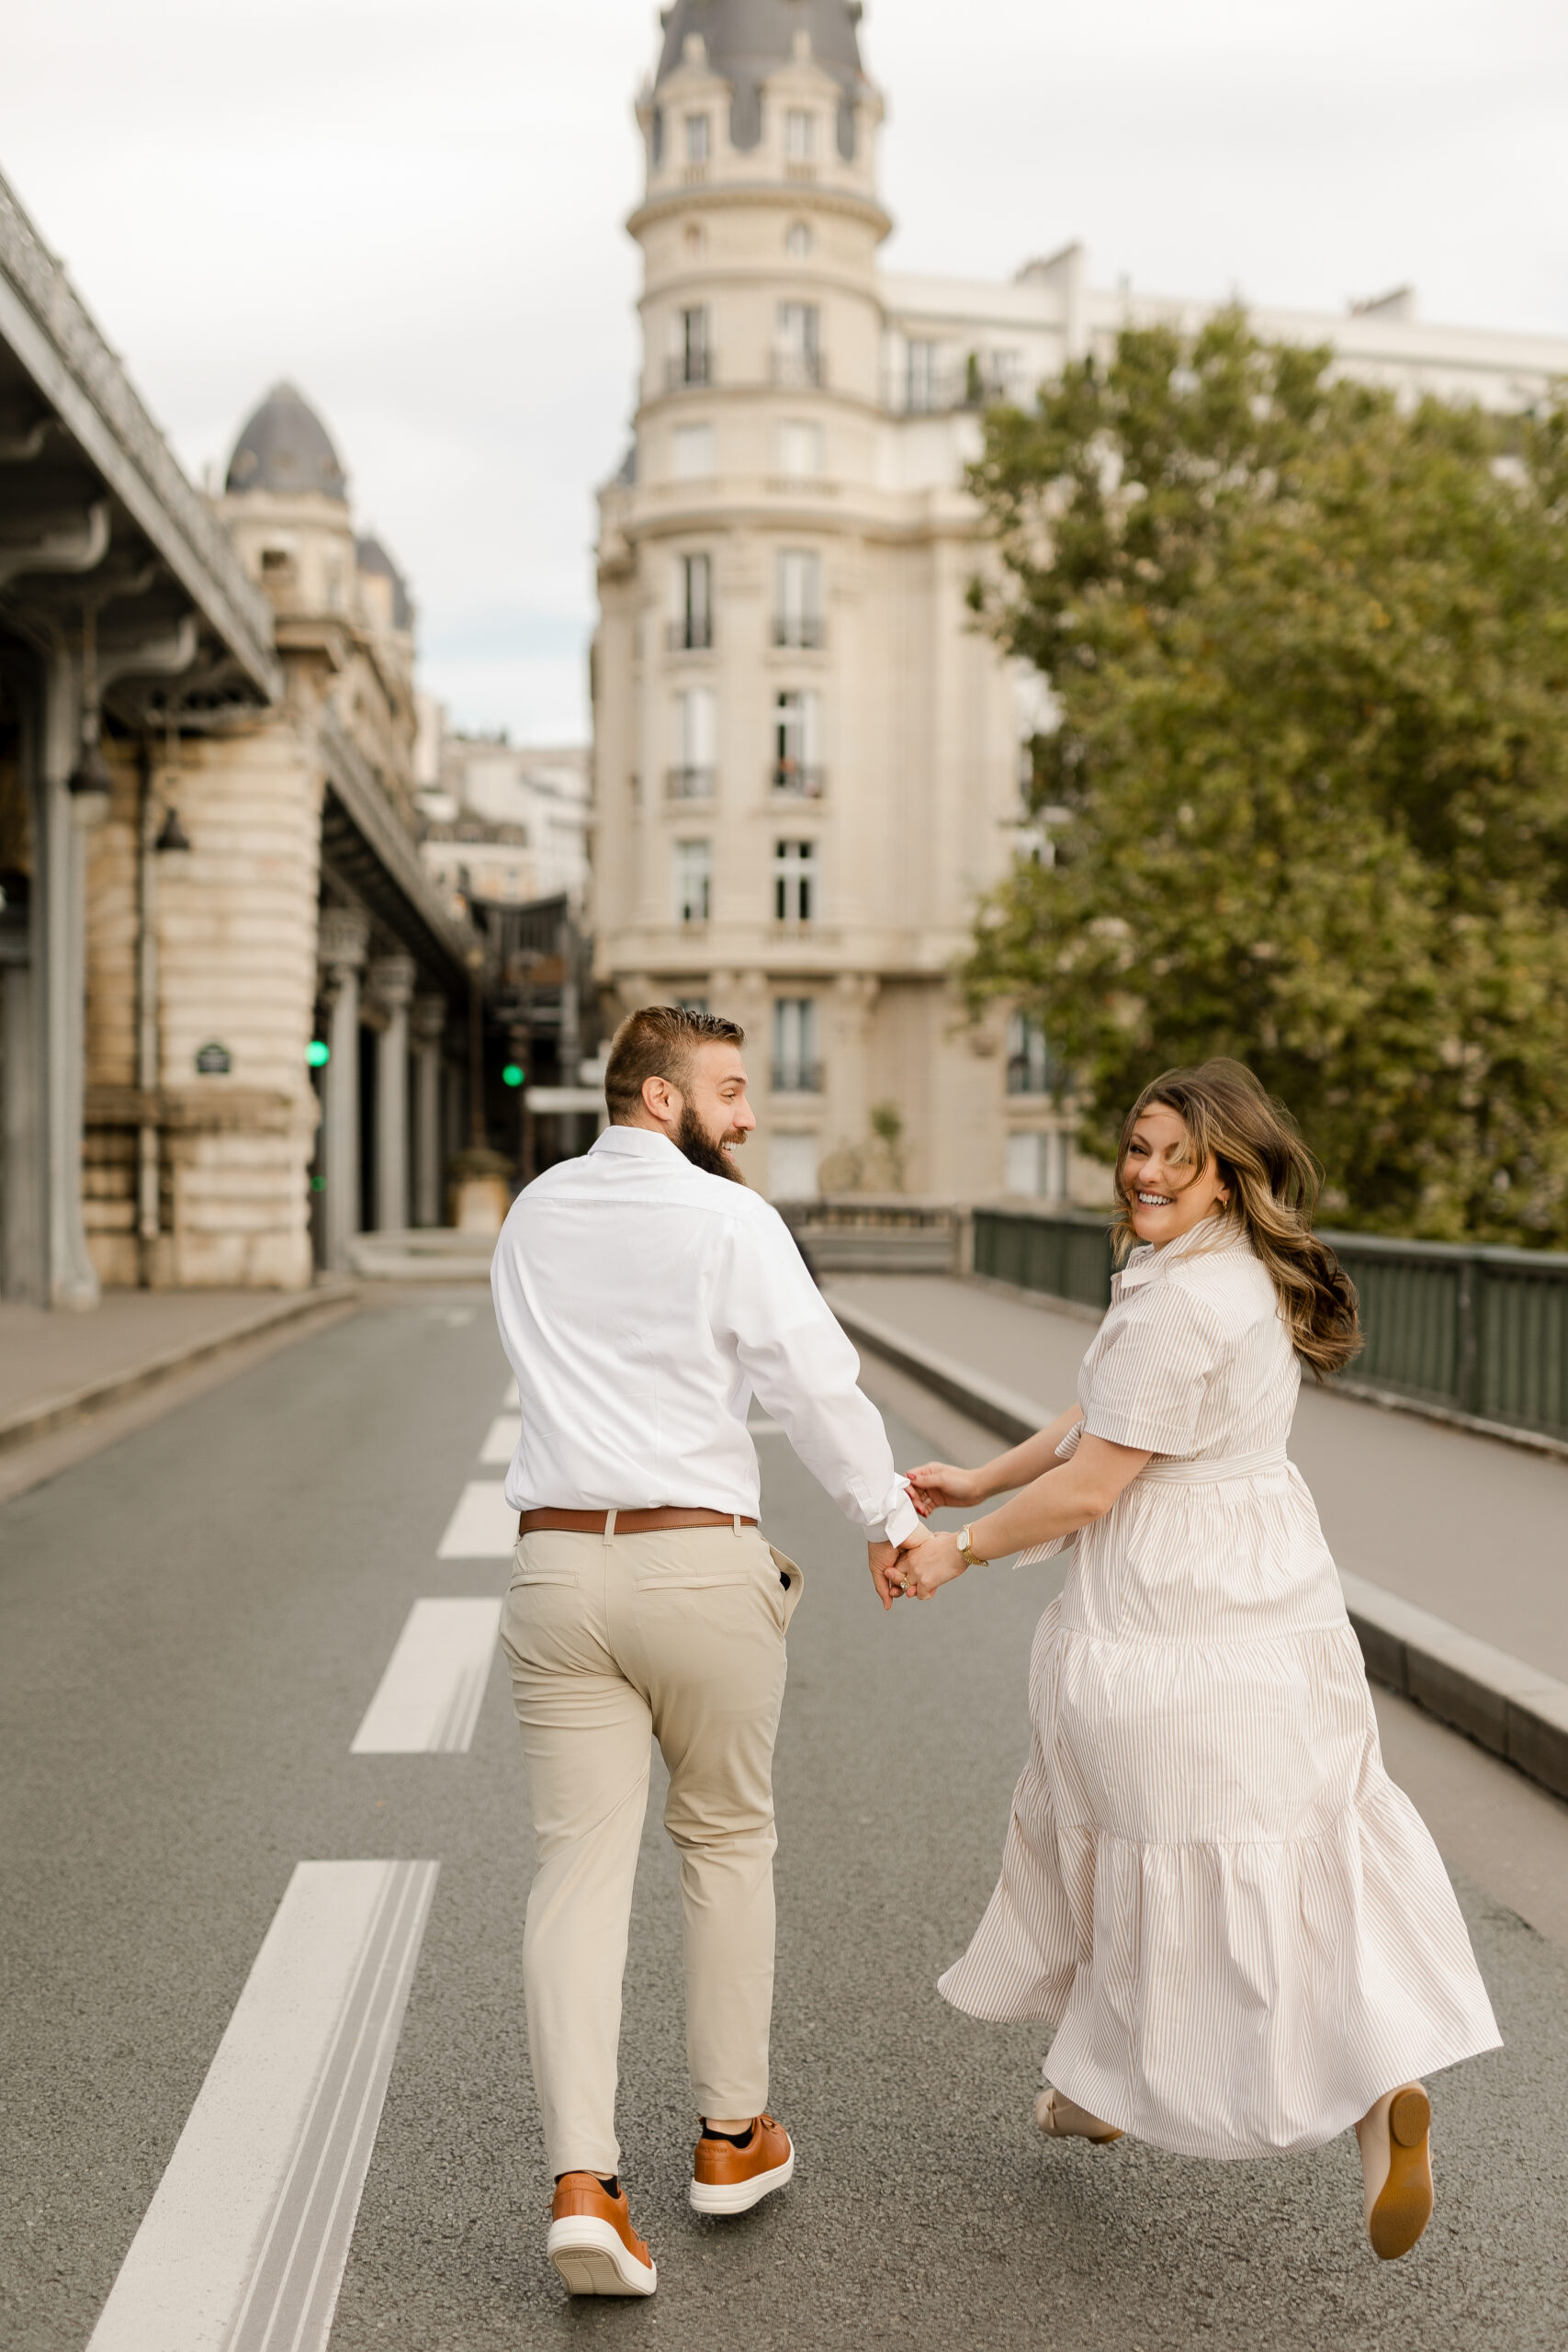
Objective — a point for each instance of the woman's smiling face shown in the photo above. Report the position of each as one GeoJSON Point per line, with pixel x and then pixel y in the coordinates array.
{"type": "Point", "coordinates": [1166, 1196]}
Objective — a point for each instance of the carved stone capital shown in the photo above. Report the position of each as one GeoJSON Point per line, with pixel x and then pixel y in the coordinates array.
{"type": "Point", "coordinates": [342, 940]}
{"type": "Point", "coordinates": [429, 1020]}
{"type": "Point", "coordinates": [390, 980]}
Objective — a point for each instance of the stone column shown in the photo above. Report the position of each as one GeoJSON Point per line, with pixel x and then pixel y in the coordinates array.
{"type": "Point", "coordinates": [340, 944]}
{"type": "Point", "coordinates": [429, 1029]}
{"type": "Point", "coordinates": [62, 904]}
{"type": "Point", "coordinates": [391, 985]}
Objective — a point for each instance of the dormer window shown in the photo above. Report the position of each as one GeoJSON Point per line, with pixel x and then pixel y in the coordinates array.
{"type": "Point", "coordinates": [800, 135]}
{"type": "Point", "coordinates": [698, 139]}
{"type": "Point", "coordinates": [798, 244]}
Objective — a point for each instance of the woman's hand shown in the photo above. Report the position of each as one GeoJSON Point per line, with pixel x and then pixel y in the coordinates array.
{"type": "Point", "coordinates": [927, 1563]}
{"type": "Point", "coordinates": [936, 1486]}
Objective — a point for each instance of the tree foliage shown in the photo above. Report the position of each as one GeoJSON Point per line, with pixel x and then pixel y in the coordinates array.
{"type": "Point", "coordinates": [1308, 774]}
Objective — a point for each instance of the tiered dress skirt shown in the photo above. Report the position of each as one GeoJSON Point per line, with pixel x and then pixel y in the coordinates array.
{"type": "Point", "coordinates": [1239, 1930]}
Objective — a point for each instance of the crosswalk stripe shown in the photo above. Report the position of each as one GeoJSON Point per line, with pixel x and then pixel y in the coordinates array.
{"type": "Point", "coordinates": [501, 1442]}
{"type": "Point", "coordinates": [430, 1696]}
{"type": "Point", "coordinates": [244, 2245]}
{"type": "Point", "coordinates": [483, 1526]}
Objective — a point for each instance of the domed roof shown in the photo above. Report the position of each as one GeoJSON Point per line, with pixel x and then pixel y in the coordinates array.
{"type": "Point", "coordinates": [372, 557]}
{"type": "Point", "coordinates": [287, 447]}
{"type": "Point", "coordinates": [746, 39]}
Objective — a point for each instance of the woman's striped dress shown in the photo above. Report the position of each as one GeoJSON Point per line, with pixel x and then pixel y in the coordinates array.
{"type": "Point", "coordinates": [1238, 1926]}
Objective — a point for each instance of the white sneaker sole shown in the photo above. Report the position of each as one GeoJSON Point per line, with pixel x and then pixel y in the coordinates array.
{"type": "Point", "coordinates": [739, 2196]}
{"type": "Point", "coordinates": [591, 2259]}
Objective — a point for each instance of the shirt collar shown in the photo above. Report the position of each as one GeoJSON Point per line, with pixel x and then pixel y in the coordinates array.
{"type": "Point", "coordinates": [637, 1143]}
{"type": "Point", "coordinates": [1210, 1238]}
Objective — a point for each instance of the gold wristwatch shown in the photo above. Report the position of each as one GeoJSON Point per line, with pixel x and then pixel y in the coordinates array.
{"type": "Point", "coordinates": [965, 1554]}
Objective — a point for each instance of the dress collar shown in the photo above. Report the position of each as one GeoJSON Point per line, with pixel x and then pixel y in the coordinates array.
{"type": "Point", "coordinates": [1210, 1238]}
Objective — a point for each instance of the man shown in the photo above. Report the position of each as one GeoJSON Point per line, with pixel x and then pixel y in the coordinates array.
{"type": "Point", "coordinates": [644, 1297]}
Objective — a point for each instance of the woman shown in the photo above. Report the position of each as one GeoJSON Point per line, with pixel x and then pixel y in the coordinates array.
{"type": "Point", "coordinates": [1237, 1926]}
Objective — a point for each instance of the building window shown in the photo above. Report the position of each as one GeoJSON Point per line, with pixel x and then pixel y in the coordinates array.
{"type": "Point", "coordinates": [693, 881]}
{"type": "Point", "coordinates": [689, 1003]}
{"type": "Point", "coordinates": [920, 377]}
{"type": "Point", "coordinates": [792, 1166]}
{"type": "Point", "coordinates": [794, 882]}
{"type": "Point", "coordinates": [698, 139]}
{"type": "Point", "coordinates": [694, 452]}
{"type": "Point", "coordinates": [797, 1068]}
{"type": "Point", "coordinates": [690, 361]}
{"type": "Point", "coordinates": [800, 135]}
{"type": "Point", "coordinates": [797, 743]}
{"type": "Point", "coordinates": [690, 631]}
{"type": "Point", "coordinates": [798, 598]}
{"type": "Point", "coordinates": [797, 355]}
{"type": "Point", "coordinates": [1031, 1067]}
{"type": "Point", "coordinates": [800, 451]}
{"type": "Point", "coordinates": [1037, 1166]}
{"type": "Point", "coordinates": [691, 775]}
{"type": "Point", "coordinates": [797, 243]}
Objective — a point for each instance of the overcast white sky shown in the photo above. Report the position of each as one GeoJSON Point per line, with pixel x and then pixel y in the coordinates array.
{"type": "Point", "coordinates": [413, 209]}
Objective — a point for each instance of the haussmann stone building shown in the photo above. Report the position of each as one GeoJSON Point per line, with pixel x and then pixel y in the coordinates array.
{"type": "Point", "coordinates": [806, 759]}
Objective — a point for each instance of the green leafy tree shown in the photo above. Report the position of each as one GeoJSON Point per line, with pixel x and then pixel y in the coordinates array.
{"type": "Point", "coordinates": [1304, 796]}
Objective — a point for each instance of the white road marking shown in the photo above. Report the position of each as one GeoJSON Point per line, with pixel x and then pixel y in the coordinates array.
{"type": "Point", "coordinates": [483, 1526]}
{"type": "Point", "coordinates": [759, 1426]}
{"type": "Point", "coordinates": [244, 2245]}
{"type": "Point", "coordinates": [501, 1444]}
{"type": "Point", "coordinates": [430, 1696]}
{"type": "Point", "coordinates": [512, 1401]}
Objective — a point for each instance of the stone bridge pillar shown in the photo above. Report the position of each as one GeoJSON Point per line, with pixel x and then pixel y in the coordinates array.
{"type": "Point", "coordinates": [391, 985]}
{"type": "Point", "coordinates": [343, 937]}
{"type": "Point", "coordinates": [429, 1029]}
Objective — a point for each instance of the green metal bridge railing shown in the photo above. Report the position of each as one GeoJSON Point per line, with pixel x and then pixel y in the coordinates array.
{"type": "Point", "coordinates": [1479, 1333]}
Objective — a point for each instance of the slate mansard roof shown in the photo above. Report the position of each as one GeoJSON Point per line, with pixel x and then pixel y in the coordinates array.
{"type": "Point", "coordinates": [286, 448]}
{"type": "Point", "coordinates": [746, 39]}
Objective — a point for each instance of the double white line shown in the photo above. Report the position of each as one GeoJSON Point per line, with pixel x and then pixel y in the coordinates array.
{"type": "Point", "coordinates": [243, 2246]}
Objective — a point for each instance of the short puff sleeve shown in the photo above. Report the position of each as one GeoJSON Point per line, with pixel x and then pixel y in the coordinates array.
{"type": "Point", "coordinates": [1148, 1376]}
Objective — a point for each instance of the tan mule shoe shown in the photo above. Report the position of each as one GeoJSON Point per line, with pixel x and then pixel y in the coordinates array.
{"type": "Point", "coordinates": [1061, 2118]}
{"type": "Point", "coordinates": [1403, 2206]}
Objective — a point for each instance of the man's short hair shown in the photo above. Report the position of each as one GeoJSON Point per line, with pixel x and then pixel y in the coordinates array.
{"type": "Point", "coordinates": [658, 1042]}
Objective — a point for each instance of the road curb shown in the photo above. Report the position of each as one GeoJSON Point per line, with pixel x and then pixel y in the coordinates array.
{"type": "Point", "coordinates": [95, 1396]}
{"type": "Point", "coordinates": [1503, 1705]}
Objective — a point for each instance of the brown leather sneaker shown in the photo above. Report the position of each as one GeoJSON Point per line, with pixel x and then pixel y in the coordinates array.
{"type": "Point", "coordinates": [593, 2243]}
{"type": "Point", "coordinates": [727, 2180]}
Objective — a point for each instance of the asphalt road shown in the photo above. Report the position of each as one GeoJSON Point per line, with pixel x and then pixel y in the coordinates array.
{"type": "Point", "coordinates": [192, 1624]}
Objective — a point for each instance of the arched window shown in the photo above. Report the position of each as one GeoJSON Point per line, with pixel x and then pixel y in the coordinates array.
{"type": "Point", "coordinates": [798, 241]}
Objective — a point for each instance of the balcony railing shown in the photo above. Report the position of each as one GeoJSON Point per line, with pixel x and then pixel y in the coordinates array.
{"type": "Point", "coordinates": [689, 368]}
{"type": "Point", "coordinates": [691, 634]}
{"type": "Point", "coordinates": [690, 784]}
{"type": "Point", "coordinates": [805, 632]}
{"type": "Point", "coordinates": [793, 780]}
{"type": "Point", "coordinates": [795, 371]}
{"type": "Point", "coordinates": [798, 1078]}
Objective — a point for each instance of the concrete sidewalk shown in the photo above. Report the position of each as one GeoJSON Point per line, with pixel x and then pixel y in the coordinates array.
{"type": "Point", "coordinates": [1453, 1547]}
{"type": "Point", "coordinates": [60, 1368]}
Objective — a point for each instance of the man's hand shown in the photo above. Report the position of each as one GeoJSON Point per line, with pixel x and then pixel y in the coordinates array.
{"type": "Point", "coordinates": [925, 1563]}
{"type": "Point", "coordinates": [879, 1559]}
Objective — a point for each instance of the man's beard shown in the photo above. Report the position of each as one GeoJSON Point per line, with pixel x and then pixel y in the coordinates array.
{"type": "Point", "coordinates": [693, 1139]}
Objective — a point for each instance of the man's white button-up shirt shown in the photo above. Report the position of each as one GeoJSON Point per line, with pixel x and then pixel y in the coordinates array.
{"type": "Point", "coordinates": [643, 1303]}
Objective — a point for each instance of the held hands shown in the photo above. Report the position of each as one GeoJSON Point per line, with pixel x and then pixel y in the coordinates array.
{"type": "Point", "coordinates": [925, 1563]}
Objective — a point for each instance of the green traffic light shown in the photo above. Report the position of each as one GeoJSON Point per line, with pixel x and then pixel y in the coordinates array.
{"type": "Point", "coordinates": [511, 1075]}
{"type": "Point", "coordinates": [318, 1054]}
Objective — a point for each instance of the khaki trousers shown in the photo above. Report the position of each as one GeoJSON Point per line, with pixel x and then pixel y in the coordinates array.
{"type": "Point", "coordinates": [678, 1637]}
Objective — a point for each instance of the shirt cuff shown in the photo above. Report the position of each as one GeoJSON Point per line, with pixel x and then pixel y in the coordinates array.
{"type": "Point", "coordinates": [899, 1524]}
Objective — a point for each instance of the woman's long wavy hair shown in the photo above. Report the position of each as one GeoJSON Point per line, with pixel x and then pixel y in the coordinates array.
{"type": "Point", "coordinates": [1273, 1183]}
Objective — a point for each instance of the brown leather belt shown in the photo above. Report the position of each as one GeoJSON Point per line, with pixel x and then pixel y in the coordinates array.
{"type": "Point", "coordinates": [628, 1522]}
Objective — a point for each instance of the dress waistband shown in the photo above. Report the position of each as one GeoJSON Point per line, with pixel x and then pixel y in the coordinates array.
{"type": "Point", "coordinates": [1200, 1473]}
